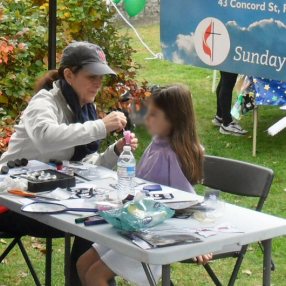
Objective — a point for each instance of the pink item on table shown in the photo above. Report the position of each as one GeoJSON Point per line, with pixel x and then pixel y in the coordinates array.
{"type": "Point", "coordinates": [127, 136]}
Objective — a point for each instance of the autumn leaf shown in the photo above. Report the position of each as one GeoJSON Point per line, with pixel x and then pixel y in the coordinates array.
{"type": "Point", "coordinates": [3, 99]}
{"type": "Point", "coordinates": [3, 241]}
{"type": "Point", "coordinates": [247, 272]}
{"type": "Point", "coordinates": [1, 14]}
{"type": "Point", "coordinates": [23, 274]}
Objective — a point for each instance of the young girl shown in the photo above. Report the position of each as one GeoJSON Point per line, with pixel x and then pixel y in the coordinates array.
{"type": "Point", "coordinates": [174, 158]}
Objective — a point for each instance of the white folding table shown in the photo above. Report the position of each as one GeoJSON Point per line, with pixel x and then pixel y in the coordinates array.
{"type": "Point", "coordinates": [254, 227]}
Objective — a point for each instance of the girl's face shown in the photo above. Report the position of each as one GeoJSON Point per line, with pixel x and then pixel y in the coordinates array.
{"type": "Point", "coordinates": [156, 122]}
{"type": "Point", "coordinates": [85, 85]}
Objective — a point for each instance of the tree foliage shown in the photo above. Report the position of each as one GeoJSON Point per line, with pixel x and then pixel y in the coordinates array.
{"type": "Point", "coordinates": [24, 46]}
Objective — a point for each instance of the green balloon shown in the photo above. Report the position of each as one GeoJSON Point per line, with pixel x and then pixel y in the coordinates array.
{"type": "Point", "coordinates": [116, 1]}
{"type": "Point", "coordinates": [134, 7]}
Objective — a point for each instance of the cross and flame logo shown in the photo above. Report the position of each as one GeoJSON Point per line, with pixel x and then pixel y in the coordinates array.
{"type": "Point", "coordinates": [212, 41]}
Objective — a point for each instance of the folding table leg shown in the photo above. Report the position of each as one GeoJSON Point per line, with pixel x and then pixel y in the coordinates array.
{"type": "Point", "coordinates": [48, 276]}
{"type": "Point", "coordinates": [67, 258]}
{"type": "Point", "coordinates": [149, 274]}
{"type": "Point", "coordinates": [166, 275]}
{"type": "Point", "coordinates": [267, 244]}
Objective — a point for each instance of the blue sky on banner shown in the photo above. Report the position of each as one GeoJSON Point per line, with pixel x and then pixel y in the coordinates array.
{"type": "Point", "coordinates": [259, 31]}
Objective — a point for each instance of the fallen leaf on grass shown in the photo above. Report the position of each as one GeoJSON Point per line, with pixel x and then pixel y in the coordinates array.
{"type": "Point", "coordinates": [23, 274]}
{"type": "Point", "coordinates": [39, 246]}
{"type": "Point", "coordinates": [3, 241]}
{"type": "Point", "coordinates": [247, 272]}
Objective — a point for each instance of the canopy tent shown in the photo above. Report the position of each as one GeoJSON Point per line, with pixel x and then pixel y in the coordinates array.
{"type": "Point", "coordinates": [52, 45]}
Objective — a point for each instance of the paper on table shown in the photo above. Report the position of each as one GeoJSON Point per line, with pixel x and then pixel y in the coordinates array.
{"type": "Point", "coordinates": [202, 231]}
{"type": "Point", "coordinates": [75, 165]}
{"type": "Point", "coordinates": [221, 228]}
{"type": "Point", "coordinates": [100, 183]}
{"type": "Point", "coordinates": [58, 194]}
{"type": "Point", "coordinates": [78, 203]}
{"type": "Point", "coordinates": [91, 172]}
{"type": "Point", "coordinates": [179, 196]}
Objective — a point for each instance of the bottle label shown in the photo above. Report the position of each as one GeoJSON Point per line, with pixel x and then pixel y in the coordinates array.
{"type": "Point", "coordinates": [126, 171]}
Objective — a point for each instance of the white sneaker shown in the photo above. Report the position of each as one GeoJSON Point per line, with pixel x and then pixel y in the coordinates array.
{"type": "Point", "coordinates": [232, 129]}
{"type": "Point", "coordinates": [217, 121]}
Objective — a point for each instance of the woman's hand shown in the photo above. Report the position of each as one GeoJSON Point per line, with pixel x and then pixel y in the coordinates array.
{"type": "Point", "coordinates": [120, 144]}
{"type": "Point", "coordinates": [114, 121]}
{"type": "Point", "coordinates": [203, 259]}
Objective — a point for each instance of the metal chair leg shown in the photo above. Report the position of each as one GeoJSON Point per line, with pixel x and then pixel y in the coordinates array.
{"type": "Point", "coordinates": [212, 275]}
{"type": "Point", "coordinates": [48, 274]}
{"type": "Point", "coordinates": [237, 265]}
{"type": "Point", "coordinates": [8, 249]}
{"type": "Point", "coordinates": [28, 262]}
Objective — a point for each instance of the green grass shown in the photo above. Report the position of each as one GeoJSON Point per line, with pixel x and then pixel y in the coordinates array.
{"type": "Point", "coordinates": [271, 153]}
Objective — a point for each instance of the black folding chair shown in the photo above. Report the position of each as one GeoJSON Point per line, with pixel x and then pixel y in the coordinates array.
{"type": "Point", "coordinates": [241, 179]}
{"type": "Point", "coordinates": [17, 241]}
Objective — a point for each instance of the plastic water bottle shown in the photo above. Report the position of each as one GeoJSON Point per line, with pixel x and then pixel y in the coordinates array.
{"type": "Point", "coordinates": [126, 167]}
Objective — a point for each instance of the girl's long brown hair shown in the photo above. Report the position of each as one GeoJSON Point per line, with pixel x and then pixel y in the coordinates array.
{"type": "Point", "coordinates": [176, 102]}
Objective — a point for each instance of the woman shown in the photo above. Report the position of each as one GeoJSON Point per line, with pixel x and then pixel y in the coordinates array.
{"type": "Point", "coordinates": [61, 122]}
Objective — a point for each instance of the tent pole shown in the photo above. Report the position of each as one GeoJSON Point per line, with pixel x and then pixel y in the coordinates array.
{"type": "Point", "coordinates": [52, 47]}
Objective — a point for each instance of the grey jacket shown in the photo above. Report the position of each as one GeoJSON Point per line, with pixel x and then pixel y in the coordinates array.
{"type": "Point", "coordinates": [46, 131]}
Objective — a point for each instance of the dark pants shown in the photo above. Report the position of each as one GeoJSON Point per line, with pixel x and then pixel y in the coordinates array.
{"type": "Point", "coordinates": [20, 225]}
{"type": "Point", "coordinates": [224, 96]}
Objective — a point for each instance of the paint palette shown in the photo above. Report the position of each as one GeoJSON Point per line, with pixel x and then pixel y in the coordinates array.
{"type": "Point", "coordinates": [46, 180]}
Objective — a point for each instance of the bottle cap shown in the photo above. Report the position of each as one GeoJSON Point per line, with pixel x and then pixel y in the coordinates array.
{"type": "Point", "coordinates": [127, 148]}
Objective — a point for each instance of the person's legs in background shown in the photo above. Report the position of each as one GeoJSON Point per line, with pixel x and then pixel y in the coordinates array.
{"type": "Point", "coordinates": [217, 121]}
{"type": "Point", "coordinates": [224, 100]}
{"type": "Point", "coordinates": [228, 81]}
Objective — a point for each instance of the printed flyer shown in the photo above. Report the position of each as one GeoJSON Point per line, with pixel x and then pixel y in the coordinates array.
{"type": "Point", "coordinates": [247, 37]}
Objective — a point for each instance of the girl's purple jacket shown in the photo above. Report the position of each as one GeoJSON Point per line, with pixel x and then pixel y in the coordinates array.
{"type": "Point", "coordinates": [160, 164]}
